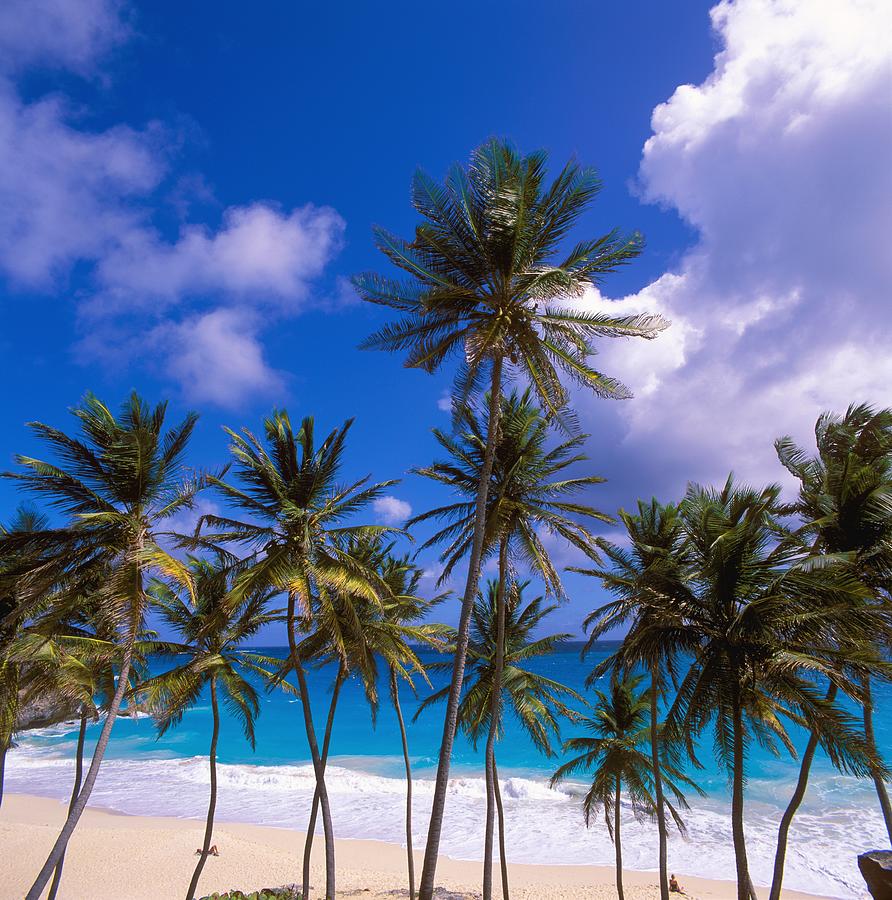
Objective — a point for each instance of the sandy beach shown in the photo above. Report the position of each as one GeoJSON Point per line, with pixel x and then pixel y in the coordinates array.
{"type": "Point", "coordinates": [120, 857]}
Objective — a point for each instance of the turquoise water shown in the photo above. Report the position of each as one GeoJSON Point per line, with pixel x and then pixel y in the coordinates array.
{"type": "Point", "coordinates": [273, 784]}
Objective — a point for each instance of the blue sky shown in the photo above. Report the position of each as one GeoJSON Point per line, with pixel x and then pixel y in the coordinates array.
{"type": "Point", "coordinates": [187, 188]}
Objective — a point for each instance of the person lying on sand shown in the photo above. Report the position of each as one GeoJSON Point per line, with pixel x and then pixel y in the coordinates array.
{"type": "Point", "coordinates": [674, 886]}
{"type": "Point", "coordinates": [212, 851]}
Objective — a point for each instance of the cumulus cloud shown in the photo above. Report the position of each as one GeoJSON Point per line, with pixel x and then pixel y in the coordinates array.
{"type": "Point", "coordinates": [71, 197]}
{"type": "Point", "coordinates": [218, 358]}
{"type": "Point", "coordinates": [780, 310]}
{"type": "Point", "coordinates": [69, 34]}
{"type": "Point", "coordinates": [391, 510]}
{"type": "Point", "coordinates": [257, 251]}
{"type": "Point", "coordinates": [65, 193]}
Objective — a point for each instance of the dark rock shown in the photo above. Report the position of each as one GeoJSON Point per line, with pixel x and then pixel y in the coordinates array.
{"type": "Point", "coordinates": [876, 870]}
{"type": "Point", "coordinates": [45, 710]}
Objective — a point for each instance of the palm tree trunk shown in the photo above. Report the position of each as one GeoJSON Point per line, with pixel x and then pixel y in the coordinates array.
{"type": "Point", "coordinates": [326, 741]}
{"type": "Point", "coordinates": [495, 709]}
{"type": "Point", "coordinates": [77, 809]}
{"type": "Point", "coordinates": [744, 885]}
{"type": "Point", "coordinates": [658, 781]}
{"type": "Point", "coordinates": [395, 695]}
{"type": "Point", "coordinates": [212, 805]}
{"type": "Point", "coordinates": [75, 790]}
{"type": "Point", "coordinates": [882, 791]}
{"type": "Point", "coordinates": [314, 753]}
{"type": "Point", "coordinates": [783, 831]}
{"type": "Point", "coordinates": [617, 839]}
{"type": "Point", "coordinates": [429, 871]}
{"type": "Point", "coordinates": [503, 860]}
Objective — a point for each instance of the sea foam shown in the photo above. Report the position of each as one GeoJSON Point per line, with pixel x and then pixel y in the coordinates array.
{"type": "Point", "coordinates": [543, 825]}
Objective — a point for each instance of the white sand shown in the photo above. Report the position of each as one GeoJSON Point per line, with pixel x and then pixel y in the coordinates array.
{"type": "Point", "coordinates": [118, 857]}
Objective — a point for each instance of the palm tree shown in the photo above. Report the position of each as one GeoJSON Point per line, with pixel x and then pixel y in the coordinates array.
{"type": "Point", "coordinates": [12, 618]}
{"type": "Point", "coordinates": [617, 755]}
{"type": "Point", "coordinates": [362, 633]}
{"type": "Point", "coordinates": [760, 622]}
{"type": "Point", "coordinates": [844, 504]}
{"type": "Point", "coordinates": [526, 497]}
{"type": "Point", "coordinates": [71, 661]}
{"type": "Point", "coordinates": [536, 701]}
{"type": "Point", "coordinates": [401, 617]}
{"type": "Point", "coordinates": [210, 657]}
{"type": "Point", "coordinates": [119, 483]}
{"type": "Point", "coordinates": [299, 525]}
{"type": "Point", "coordinates": [642, 578]}
{"type": "Point", "coordinates": [486, 284]}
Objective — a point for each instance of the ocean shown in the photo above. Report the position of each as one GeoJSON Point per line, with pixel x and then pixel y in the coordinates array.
{"type": "Point", "coordinates": [273, 785]}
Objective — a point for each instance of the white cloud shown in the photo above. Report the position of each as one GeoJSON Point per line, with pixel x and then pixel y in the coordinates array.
{"type": "Point", "coordinates": [780, 160]}
{"type": "Point", "coordinates": [391, 511]}
{"type": "Point", "coordinates": [68, 34]}
{"type": "Point", "coordinates": [258, 252]}
{"type": "Point", "coordinates": [65, 193]}
{"type": "Point", "coordinates": [217, 358]}
{"type": "Point", "coordinates": [70, 197]}
{"type": "Point", "coordinates": [444, 403]}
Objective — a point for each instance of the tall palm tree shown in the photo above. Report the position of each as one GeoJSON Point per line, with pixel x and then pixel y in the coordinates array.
{"type": "Point", "coordinates": [530, 493]}
{"type": "Point", "coordinates": [537, 702]}
{"type": "Point", "coordinates": [760, 622]}
{"type": "Point", "coordinates": [642, 578]}
{"type": "Point", "coordinates": [118, 484]}
{"type": "Point", "coordinates": [488, 283]}
{"type": "Point", "coordinates": [299, 522]}
{"type": "Point", "coordinates": [845, 505]}
{"type": "Point", "coordinates": [209, 657]}
{"type": "Point", "coordinates": [361, 635]}
{"type": "Point", "coordinates": [618, 757]}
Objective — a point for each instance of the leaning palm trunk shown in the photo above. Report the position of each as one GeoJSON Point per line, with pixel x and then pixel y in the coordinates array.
{"type": "Point", "coordinates": [75, 790]}
{"type": "Point", "coordinates": [212, 805]}
{"type": "Point", "coordinates": [318, 767]}
{"type": "Point", "coordinates": [80, 804]}
{"type": "Point", "coordinates": [410, 857]}
{"type": "Point", "coordinates": [744, 885]}
{"type": "Point", "coordinates": [77, 809]}
{"type": "Point", "coordinates": [314, 811]}
{"type": "Point", "coordinates": [882, 791]}
{"type": "Point", "coordinates": [617, 840]}
{"type": "Point", "coordinates": [783, 831]}
{"type": "Point", "coordinates": [503, 859]}
{"type": "Point", "coordinates": [495, 710]}
{"type": "Point", "coordinates": [429, 871]}
{"type": "Point", "coordinates": [658, 781]}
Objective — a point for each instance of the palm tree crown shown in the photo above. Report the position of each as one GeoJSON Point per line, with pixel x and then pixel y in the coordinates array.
{"type": "Point", "coordinates": [616, 752]}
{"type": "Point", "coordinates": [299, 513]}
{"type": "Point", "coordinates": [761, 623]}
{"type": "Point", "coordinates": [530, 490]}
{"type": "Point", "coordinates": [487, 279]}
{"type": "Point", "coordinates": [537, 702]}
{"type": "Point", "coordinates": [213, 630]}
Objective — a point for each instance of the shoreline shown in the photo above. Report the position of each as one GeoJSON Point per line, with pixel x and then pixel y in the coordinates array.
{"type": "Point", "coordinates": [156, 857]}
